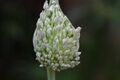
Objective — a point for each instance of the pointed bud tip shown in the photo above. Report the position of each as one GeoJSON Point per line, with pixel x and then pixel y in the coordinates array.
{"type": "Point", "coordinates": [45, 5]}
{"type": "Point", "coordinates": [78, 29]}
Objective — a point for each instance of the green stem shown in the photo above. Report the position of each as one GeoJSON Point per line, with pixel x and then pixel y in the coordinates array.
{"type": "Point", "coordinates": [50, 74]}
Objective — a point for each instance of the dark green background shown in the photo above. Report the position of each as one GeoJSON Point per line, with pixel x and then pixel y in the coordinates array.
{"type": "Point", "coordinates": [99, 43]}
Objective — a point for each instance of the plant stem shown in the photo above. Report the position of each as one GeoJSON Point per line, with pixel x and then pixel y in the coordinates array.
{"type": "Point", "coordinates": [50, 74]}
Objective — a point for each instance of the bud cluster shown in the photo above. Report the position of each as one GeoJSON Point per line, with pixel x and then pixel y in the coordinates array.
{"type": "Point", "coordinates": [55, 40]}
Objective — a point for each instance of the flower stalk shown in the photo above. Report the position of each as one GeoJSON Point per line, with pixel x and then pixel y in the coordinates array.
{"type": "Point", "coordinates": [50, 74]}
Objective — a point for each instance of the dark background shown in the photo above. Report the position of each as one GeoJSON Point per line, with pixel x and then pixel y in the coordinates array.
{"type": "Point", "coordinates": [99, 43]}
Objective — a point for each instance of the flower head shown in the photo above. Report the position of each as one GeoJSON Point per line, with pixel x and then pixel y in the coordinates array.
{"type": "Point", "coordinates": [55, 40]}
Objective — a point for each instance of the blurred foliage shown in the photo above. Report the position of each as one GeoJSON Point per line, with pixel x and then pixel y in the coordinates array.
{"type": "Point", "coordinates": [100, 39]}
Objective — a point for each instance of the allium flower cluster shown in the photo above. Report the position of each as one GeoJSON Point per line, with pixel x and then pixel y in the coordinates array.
{"type": "Point", "coordinates": [55, 40]}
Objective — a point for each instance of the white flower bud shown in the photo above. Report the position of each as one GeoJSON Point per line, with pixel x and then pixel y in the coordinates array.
{"type": "Point", "coordinates": [38, 54]}
{"type": "Point", "coordinates": [77, 58]}
{"type": "Point", "coordinates": [49, 31]}
{"type": "Point", "coordinates": [42, 16]}
{"type": "Point", "coordinates": [77, 32]}
{"type": "Point", "coordinates": [51, 8]}
{"type": "Point", "coordinates": [58, 19]}
{"type": "Point", "coordinates": [39, 23]}
{"type": "Point", "coordinates": [41, 65]}
{"type": "Point", "coordinates": [78, 53]}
